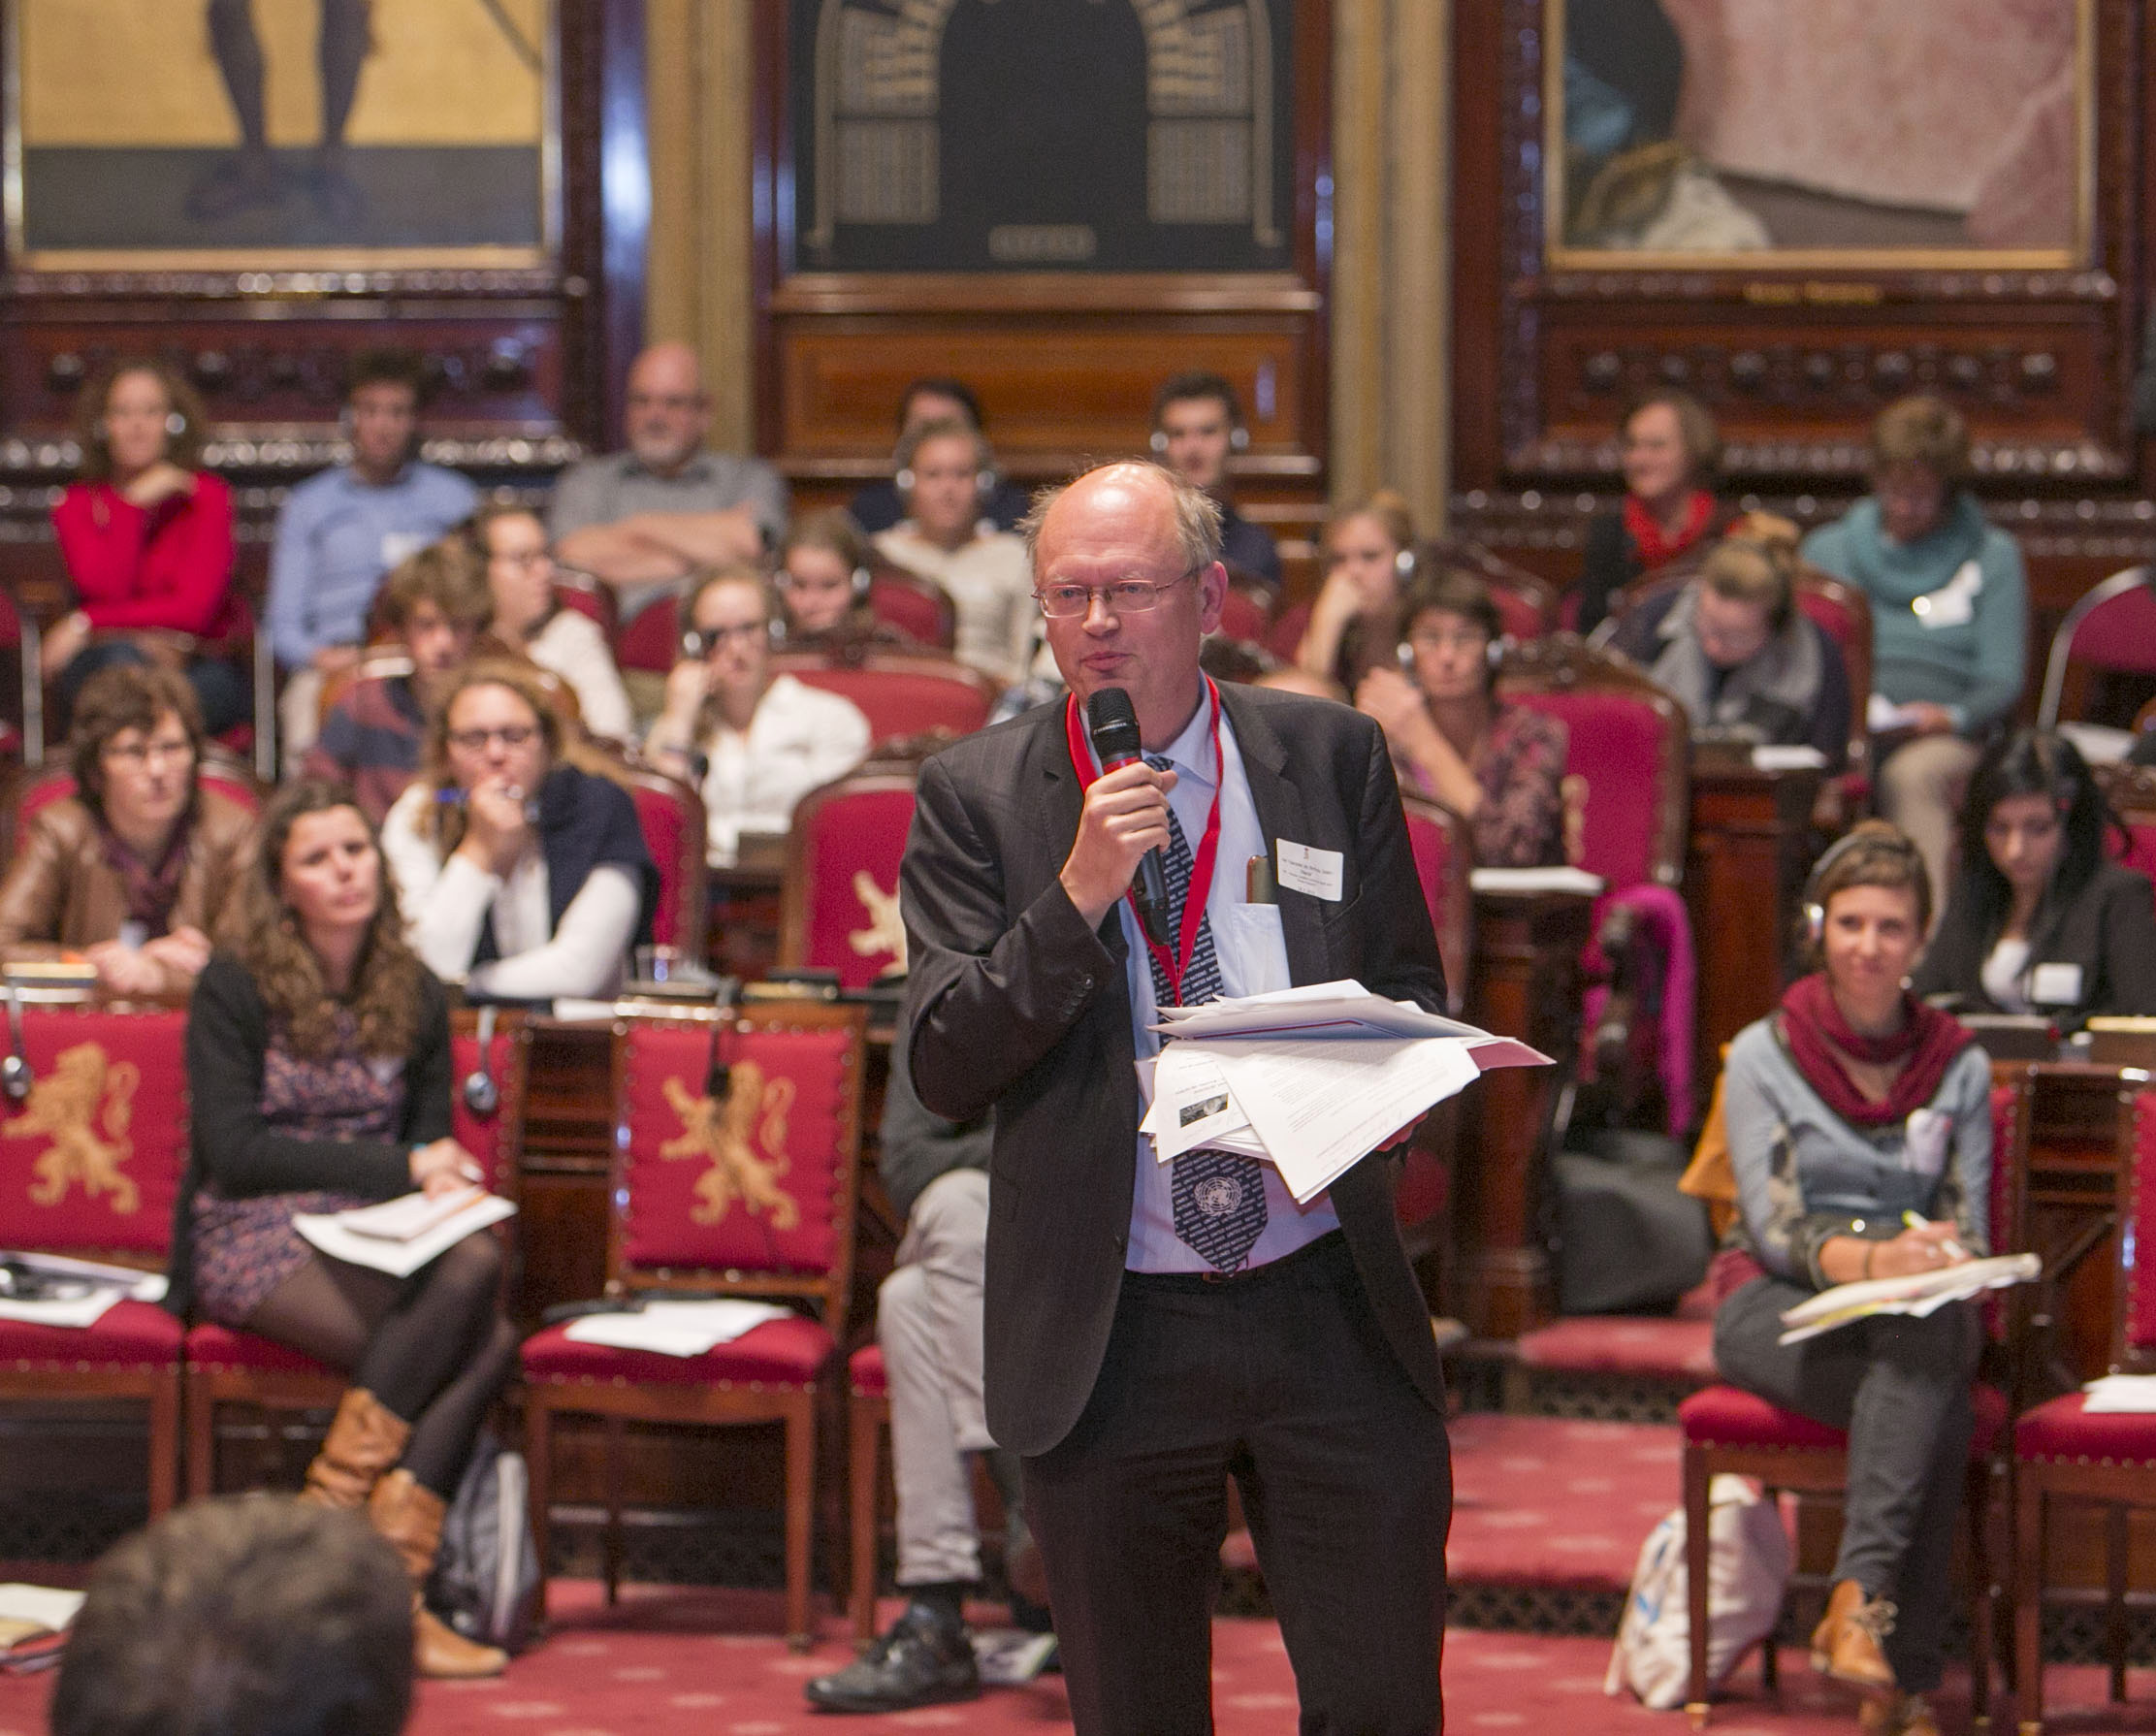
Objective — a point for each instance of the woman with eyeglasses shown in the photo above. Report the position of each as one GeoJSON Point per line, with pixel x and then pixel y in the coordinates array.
{"type": "Point", "coordinates": [2037, 919]}
{"type": "Point", "coordinates": [1500, 767]}
{"type": "Point", "coordinates": [530, 621]}
{"type": "Point", "coordinates": [519, 863]}
{"type": "Point", "coordinates": [753, 743]}
{"type": "Point", "coordinates": [142, 865]}
{"type": "Point", "coordinates": [146, 534]}
{"type": "Point", "coordinates": [1352, 627]}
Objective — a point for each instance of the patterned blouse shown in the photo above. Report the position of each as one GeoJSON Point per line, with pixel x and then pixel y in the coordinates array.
{"type": "Point", "coordinates": [1520, 765]}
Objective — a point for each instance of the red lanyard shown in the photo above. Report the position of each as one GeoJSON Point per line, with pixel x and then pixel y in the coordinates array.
{"type": "Point", "coordinates": [1209, 848]}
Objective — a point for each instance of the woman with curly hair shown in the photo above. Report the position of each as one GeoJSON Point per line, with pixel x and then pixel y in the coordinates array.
{"type": "Point", "coordinates": [318, 1065]}
{"type": "Point", "coordinates": [518, 858]}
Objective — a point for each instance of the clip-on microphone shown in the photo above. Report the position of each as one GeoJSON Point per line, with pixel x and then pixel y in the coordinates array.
{"type": "Point", "coordinates": [1111, 721]}
{"type": "Point", "coordinates": [17, 1075]}
{"type": "Point", "coordinates": [482, 1096]}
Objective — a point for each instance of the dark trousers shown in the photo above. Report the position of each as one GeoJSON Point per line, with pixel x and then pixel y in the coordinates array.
{"type": "Point", "coordinates": [1281, 1379]}
{"type": "Point", "coordinates": [1899, 1386]}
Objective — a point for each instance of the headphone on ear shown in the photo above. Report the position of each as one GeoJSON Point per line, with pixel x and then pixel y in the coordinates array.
{"type": "Point", "coordinates": [1238, 437]}
{"type": "Point", "coordinates": [1815, 908]}
{"type": "Point", "coordinates": [985, 482]}
{"type": "Point", "coordinates": [1159, 441]}
{"type": "Point", "coordinates": [863, 581]}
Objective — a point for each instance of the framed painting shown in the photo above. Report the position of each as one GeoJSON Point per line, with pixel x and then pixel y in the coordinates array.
{"type": "Point", "coordinates": [1755, 135]}
{"type": "Point", "coordinates": [281, 135]}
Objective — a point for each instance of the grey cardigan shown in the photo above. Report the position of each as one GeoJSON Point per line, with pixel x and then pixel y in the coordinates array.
{"type": "Point", "coordinates": [1805, 1175]}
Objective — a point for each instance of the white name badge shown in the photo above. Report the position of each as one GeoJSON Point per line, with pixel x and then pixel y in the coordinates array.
{"type": "Point", "coordinates": [2055, 985]}
{"type": "Point", "coordinates": [1319, 873]}
{"type": "Point", "coordinates": [1953, 603]}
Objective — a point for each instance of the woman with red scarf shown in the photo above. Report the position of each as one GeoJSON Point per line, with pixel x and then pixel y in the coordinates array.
{"type": "Point", "coordinates": [1671, 448]}
{"type": "Point", "coordinates": [1859, 1130]}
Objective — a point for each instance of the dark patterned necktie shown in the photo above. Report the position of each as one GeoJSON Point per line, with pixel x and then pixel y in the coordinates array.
{"type": "Point", "coordinates": [1218, 1196]}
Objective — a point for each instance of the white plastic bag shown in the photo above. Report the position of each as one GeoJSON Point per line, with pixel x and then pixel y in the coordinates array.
{"type": "Point", "coordinates": [1747, 1570]}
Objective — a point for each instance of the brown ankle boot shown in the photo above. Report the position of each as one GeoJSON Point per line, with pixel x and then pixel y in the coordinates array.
{"type": "Point", "coordinates": [1846, 1643]}
{"type": "Point", "coordinates": [410, 1514]}
{"type": "Point", "coordinates": [365, 1441]}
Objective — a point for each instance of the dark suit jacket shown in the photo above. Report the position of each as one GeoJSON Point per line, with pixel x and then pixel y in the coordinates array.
{"type": "Point", "coordinates": [2109, 931]}
{"type": "Point", "coordinates": [1015, 1003]}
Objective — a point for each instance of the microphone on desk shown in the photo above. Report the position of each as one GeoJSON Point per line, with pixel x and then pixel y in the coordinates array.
{"type": "Point", "coordinates": [1111, 722]}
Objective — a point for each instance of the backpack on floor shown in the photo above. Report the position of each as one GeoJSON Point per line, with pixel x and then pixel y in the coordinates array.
{"type": "Point", "coordinates": [1748, 1570]}
{"type": "Point", "coordinates": [486, 1582]}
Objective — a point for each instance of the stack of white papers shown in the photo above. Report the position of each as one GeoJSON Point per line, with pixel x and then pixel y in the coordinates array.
{"type": "Point", "coordinates": [1787, 756]}
{"type": "Point", "coordinates": [399, 1235]}
{"type": "Point", "coordinates": [1918, 1294]}
{"type": "Point", "coordinates": [676, 1328]}
{"type": "Point", "coordinates": [100, 1287]}
{"type": "Point", "coordinates": [1310, 1079]}
{"type": "Point", "coordinates": [1536, 880]}
{"type": "Point", "coordinates": [2121, 1394]}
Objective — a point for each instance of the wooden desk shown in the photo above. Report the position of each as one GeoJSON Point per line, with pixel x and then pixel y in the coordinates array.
{"type": "Point", "coordinates": [743, 926]}
{"type": "Point", "coordinates": [2073, 1112]}
{"type": "Point", "coordinates": [1526, 984]}
{"type": "Point", "coordinates": [1744, 878]}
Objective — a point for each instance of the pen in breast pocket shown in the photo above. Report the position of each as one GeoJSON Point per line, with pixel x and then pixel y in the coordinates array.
{"type": "Point", "coordinates": [1952, 1248]}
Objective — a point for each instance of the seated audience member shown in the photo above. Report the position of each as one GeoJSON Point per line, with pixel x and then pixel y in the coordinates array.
{"type": "Point", "coordinates": [1353, 626]}
{"type": "Point", "coordinates": [318, 1066]}
{"type": "Point", "coordinates": [646, 521]}
{"type": "Point", "coordinates": [2039, 921]}
{"type": "Point", "coordinates": [344, 528]}
{"type": "Point", "coordinates": [1949, 616]}
{"type": "Point", "coordinates": [1197, 423]}
{"type": "Point", "coordinates": [241, 1614]}
{"type": "Point", "coordinates": [876, 506]}
{"type": "Point", "coordinates": [822, 583]}
{"type": "Point", "coordinates": [531, 623]}
{"type": "Point", "coordinates": [1670, 451]}
{"type": "Point", "coordinates": [943, 538]}
{"type": "Point", "coordinates": [147, 536]}
{"type": "Point", "coordinates": [520, 863]}
{"type": "Point", "coordinates": [142, 865]}
{"type": "Point", "coordinates": [1737, 652]}
{"type": "Point", "coordinates": [1500, 767]}
{"type": "Point", "coordinates": [2144, 750]}
{"type": "Point", "coordinates": [751, 742]}
{"type": "Point", "coordinates": [928, 1321]}
{"type": "Point", "coordinates": [438, 604]}
{"type": "Point", "coordinates": [1849, 1107]}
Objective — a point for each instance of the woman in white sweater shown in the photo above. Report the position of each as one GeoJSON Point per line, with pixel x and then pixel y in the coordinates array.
{"type": "Point", "coordinates": [528, 621]}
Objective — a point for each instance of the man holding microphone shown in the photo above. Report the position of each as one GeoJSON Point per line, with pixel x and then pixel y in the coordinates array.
{"type": "Point", "coordinates": [1152, 1330]}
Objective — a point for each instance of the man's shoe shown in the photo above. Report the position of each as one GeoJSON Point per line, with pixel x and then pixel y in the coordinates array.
{"type": "Point", "coordinates": [922, 1659]}
{"type": "Point", "coordinates": [1845, 1644]}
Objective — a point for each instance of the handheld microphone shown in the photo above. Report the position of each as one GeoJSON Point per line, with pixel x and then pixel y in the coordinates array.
{"type": "Point", "coordinates": [1111, 722]}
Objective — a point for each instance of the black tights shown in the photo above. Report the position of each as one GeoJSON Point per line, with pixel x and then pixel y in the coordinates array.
{"type": "Point", "coordinates": [435, 1348]}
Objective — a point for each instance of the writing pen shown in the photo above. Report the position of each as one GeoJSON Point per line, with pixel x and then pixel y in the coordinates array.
{"type": "Point", "coordinates": [1953, 1249]}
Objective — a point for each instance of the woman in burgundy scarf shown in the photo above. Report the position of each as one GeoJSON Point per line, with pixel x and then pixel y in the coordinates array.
{"type": "Point", "coordinates": [1859, 1130]}
{"type": "Point", "coordinates": [1671, 448]}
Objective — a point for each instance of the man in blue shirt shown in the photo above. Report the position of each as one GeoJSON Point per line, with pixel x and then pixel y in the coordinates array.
{"type": "Point", "coordinates": [343, 529]}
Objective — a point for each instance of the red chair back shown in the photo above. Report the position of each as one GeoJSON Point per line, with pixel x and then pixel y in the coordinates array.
{"type": "Point", "coordinates": [588, 597]}
{"type": "Point", "coordinates": [752, 1192]}
{"type": "Point", "coordinates": [1845, 614]}
{"type": "Point", "coordinates": [1244, 616]}
{"type": "Point", "coordinates": [219, 771]}
{"type": "Point", "coordinates": [2130, 790]}
{"type": "Point", "coordinates": [1626, 763]}
{"type": "Point", "coordinates": [918, 607]}
{"type": "Point", "coordinates": [495, 1140]}
{"type": "Point", "coordinates": [649, 640]}
{"type": "Point", "coordinates": [1524, 601]}
{"type": "Point", "coordinates": [1444, 859]}
{"type": "Point", "coordinates": [840, 908]}
{"type": "Point", "coordinates": [900, 694]}
{"type": "Point", "coordinates": [2112, 627]}
{"type": "Point", "coordinates": [90, 1163]}
{"type": "Point", "coordinates": [672, 816]}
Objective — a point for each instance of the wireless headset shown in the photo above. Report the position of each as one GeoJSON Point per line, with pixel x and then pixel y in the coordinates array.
{"type": "Point", "coordinates": [17, 1075]}
{"type": "Point", "coordinates": [1815, 909]}
{"type": "Point", "coordinates": [482, 1096]}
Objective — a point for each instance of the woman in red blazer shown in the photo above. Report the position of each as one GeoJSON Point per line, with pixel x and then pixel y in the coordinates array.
{"type": "Point", "coordinates": [147, 536]}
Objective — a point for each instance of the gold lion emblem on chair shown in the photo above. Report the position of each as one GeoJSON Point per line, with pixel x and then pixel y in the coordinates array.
{"type": "Point", "coordinates": [64, 1107]}
{"type": "Point", "coordinates": [723, 1133]}
{"type": "Point", "coordinates": [885, 931]}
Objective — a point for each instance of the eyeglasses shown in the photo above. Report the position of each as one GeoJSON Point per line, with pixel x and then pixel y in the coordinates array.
{"type": "Point", "coordinates": [709, 639]}
{"type": "Point", "coordinates": [524, 559]}
{"type": "Point", "coordinates": [1471, 638]}
{"type": "Point", "coordinates": [509, 735]}
{"type": "Point", "coordinates": [137, 755]}
{"type": "Point", "coordinates": [1123, 597]}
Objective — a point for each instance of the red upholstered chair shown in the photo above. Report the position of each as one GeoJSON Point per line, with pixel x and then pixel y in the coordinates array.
{"type": "Point", "coordinates": [89, 1166]}
{"type": "Point", "coordinates": [901, 693]}
{"type": "Point", "coordinates": [1729, 1430]}
{"type": "Point", "coordinates": [840, 902]}
{"type": "Point", "coordinates": [672, 816]}
{"type": "Point", "coordinates": [762, 1208]}
{"type": "Point", "coordinates": [1845, 612]}
{"type": "Point", "coordinates": [1245, 613]}
{"type": "Point", "coordinates": [1526, 601]}
{"type": "Point", "coordinates": [2130, 790]}
{"type": "Point", "coordinates": [650, 639]}
{"type": "Point", "coordinates": [1444, 859]}
{"type": "Point", "coordinates": [917, 606]}
{"type": "Point", "coordinates": [586, 595]}
{"type": "Point", "coordinates": [2112, 627]}
{"type": "Point", "coordinates": [2062, 1453]}
{"type": "Point", "coordinates": [868, 1417]}
{"type": "Point", "coordinates": [1627, 818]}
{"type": "Point", "coordinates": [225, 1366]}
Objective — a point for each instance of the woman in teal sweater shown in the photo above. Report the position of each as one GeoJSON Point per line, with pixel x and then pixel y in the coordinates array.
{"type": "Point", "coordinates": [1950, 618]}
